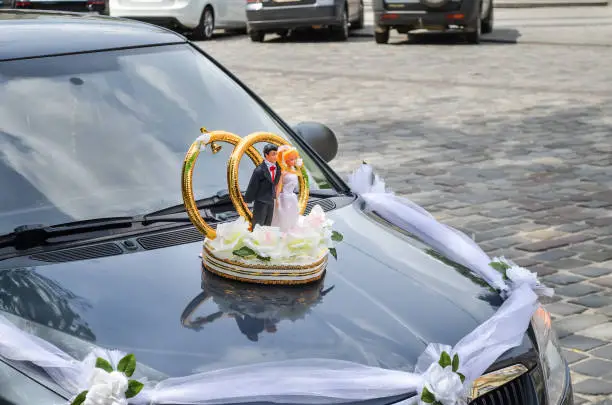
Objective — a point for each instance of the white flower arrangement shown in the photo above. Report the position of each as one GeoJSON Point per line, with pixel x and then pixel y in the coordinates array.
{"type": "Point", "coordinates": [443, 382]}
{"type": "Point", "coordinates": [312, 235]}
{"type": "Point", "coordinates": [516, 276]}
{"type": "Point", "coordinates": [108, 386]}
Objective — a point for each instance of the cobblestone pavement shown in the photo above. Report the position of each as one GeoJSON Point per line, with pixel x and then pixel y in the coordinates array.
{"type": "Point", "coordinates": [510, 143]}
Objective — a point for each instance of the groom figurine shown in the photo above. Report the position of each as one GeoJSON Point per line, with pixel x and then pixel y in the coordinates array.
{"type": "Point", "coordinates": [262, 187]}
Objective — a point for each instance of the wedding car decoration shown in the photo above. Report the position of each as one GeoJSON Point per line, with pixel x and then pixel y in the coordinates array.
{"type": "Point", "coordinates": [327, 381]}
{"type": "Point", "coordinates": [275, 243]}
{"type": "Point", "coordinates": [108, 386]}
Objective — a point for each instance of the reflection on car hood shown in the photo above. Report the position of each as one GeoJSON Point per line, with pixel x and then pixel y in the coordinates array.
{"type": "Point", "coordinates": [380, 303]}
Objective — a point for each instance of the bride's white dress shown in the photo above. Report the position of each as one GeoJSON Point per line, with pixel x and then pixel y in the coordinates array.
{"type": "Point", "coordinates": [286, 211]}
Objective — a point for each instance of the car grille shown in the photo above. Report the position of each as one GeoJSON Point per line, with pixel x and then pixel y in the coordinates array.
{"type": "Point", "coordinates": [517, 392]}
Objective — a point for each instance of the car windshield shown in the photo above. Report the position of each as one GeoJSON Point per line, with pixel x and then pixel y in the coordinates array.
{"type": "Point", "coordinates": [105, 134]}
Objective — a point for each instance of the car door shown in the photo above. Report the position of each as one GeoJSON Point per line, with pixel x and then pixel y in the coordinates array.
{"type": "Point", "coordinates": [238, 12]}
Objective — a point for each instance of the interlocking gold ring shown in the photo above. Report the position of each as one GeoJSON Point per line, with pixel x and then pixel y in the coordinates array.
{"type": "Point", "coordinates": [233, 164]}
{"type": "Point", "coordinates": [189, 163]}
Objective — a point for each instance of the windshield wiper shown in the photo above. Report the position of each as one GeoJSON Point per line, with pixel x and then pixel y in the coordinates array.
{"type": "Point", "coordinates": [221, 197]}
{"type": "Point", "coordinates": [33, 235]}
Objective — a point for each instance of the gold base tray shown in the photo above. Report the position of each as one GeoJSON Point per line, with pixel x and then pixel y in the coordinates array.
{"type": "Point", "coordinates": [262, 273]}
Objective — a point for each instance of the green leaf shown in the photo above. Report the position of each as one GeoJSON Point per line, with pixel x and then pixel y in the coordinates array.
{"type": "Point", "coordinates": [134, 388]}
{"type": "Point", "coordinates": [244, 252]}
{"type": "Point", "coordinates": [337, 236]}
{"type": "Point", "coordinates": [333, 252]}
{"type": "Point", "coordinates": [462, 377]}
{"type": "Point", "coordinates": [104, 365]}
{"type": "Point", "coordinates": [262, 258]}
{"type": "Point", "coordinates": [127, 365]}
{"type": "Point", "coordinates": [427, 396]}
{"type": "Point", "coordinates": [499, 266]}
{"type": "Point", "coordinates": [79, 398]}
{"type": "Point", "coordinates": [455, 363]}
{"type": "Point", "coordinates": [445, 360]}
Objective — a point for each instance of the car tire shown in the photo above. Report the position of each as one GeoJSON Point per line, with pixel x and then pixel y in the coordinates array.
{"type": "Point", "coordinates": [473, 37]}
{"type": "Point", "coordinates": [381, 37]}
{"type": "Point", "coordinates": [487, 23]}
{"type": "Point", "coordinates": [257, 36]}
{"type": "Point", "coordinates": [341, 33]}
{"type": "Point", "coordinates": [359, 24]}
{"type": "Point", "coordinates": [206, 27]}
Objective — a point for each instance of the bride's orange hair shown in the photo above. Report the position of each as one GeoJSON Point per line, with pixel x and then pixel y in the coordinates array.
{"type": "Point", "coordinates": [285, 153]}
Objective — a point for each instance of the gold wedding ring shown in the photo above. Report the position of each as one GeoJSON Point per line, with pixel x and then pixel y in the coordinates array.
{"type": "Point", "coordinates": [244, 146]}
{"type": "Point", "coordinates": [189, 163]}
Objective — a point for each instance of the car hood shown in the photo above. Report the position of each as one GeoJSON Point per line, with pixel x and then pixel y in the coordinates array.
{"type": "Point", "coordinates": [380, 303]}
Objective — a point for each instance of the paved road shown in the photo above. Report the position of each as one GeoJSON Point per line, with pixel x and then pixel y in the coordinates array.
{"type": "Point", "coordinates": [511, 143]}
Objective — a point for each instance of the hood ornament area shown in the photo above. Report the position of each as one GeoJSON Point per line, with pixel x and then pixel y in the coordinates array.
{"type": "Point", "coordinates": [275, 243]}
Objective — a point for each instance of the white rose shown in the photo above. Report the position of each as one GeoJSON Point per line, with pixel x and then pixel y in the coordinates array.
{"type": "Point", "coordinates": [266, 241]}
{"type": "Point", "coordinates": [520, 275]}
{"type": "Point", "coordinates": [304, 241]}
{"type": "Point", "coordinates": [230, 235]}
{"type": "Point", "coordinates": [299, 162]}
{"type": "Point", "coordinates": [444, 384]}
{"type": "Point", "coordinates": [106, 388]}
{"type": "Point", "coordinates": [317, 219]}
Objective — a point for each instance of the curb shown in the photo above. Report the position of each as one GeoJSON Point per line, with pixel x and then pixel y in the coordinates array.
{"type": "Point", "coordinates": [593, 3]}
{"type": "Point", "coordinates": [551, 4]}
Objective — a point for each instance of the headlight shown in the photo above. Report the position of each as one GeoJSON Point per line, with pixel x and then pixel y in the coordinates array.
{"type": "Point", "coordinates": [553, 364]}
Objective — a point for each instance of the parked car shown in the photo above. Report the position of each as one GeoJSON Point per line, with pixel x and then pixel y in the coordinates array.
{"type": "Point", "coordinates": [96, 250]}
{"type": "Point", "coordinates": [470, 18]}
{"type": "Point", "coordinates": [80, 6]}
{"type": "Point", "coordinates": [199, 18]}
{"type": "Point", "coordinates": [281, 16]}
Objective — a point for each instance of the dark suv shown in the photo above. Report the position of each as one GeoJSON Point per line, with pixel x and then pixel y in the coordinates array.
{"type": "Point", "coordinates": [469, 17]}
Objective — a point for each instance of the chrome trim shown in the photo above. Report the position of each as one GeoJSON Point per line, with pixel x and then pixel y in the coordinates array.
{"type": "Point", "coordinates": [495, 379]}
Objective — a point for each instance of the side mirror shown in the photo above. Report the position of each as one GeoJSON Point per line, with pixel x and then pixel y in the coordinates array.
{"type": "Point", "coordinates": [320, 138]}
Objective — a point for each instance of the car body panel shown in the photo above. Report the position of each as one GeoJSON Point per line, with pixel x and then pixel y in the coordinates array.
{"type": "Point", "coordinates": [407, 15]}
{"type": "Point", "coordinates": [186, 13]}
{"type": "Point", "coordinates": [271, 15]}
{"type": "Point", "coordinates": [66, 33]}
{"type": "Point", "coordinates": [372, 315]}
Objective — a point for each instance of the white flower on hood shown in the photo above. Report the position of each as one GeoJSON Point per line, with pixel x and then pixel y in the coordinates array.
{"type": "Point", "coordinates": [519, 276]}
{"type": "Point", "coordinates": [444, 384]}
{"type": "Point", "coordinates": [106, 388]}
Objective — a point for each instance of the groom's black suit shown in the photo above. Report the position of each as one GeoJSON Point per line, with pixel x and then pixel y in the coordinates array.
{"type": "Point", "coordinates": [262, 192]}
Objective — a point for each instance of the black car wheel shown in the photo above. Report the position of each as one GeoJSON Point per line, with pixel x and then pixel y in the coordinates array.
{"type": "Point", "coordinates": [360, 20]}
{"type": "Point", "coordinates": [257, 36]}
{"type": "Point", "coordinates": [341, 33]}
{"type": "Point", "coordinates": [473, 37]}
{"type": "Point", "coordinates": [381, 35]}
{"type": "Point", "coordinates": [204, 30]}
{"type": "Point", "coordinates": [487, 23]}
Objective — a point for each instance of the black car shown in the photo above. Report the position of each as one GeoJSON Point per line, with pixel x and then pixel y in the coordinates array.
{"type": "Point", "coordinates": [470, 18]}
{"type": "Point", "coordinates": [96, 249]}
{"type": "Point", "coordinates": [281, 16]}
{"type": "Point", "coordinates": [78, 6]}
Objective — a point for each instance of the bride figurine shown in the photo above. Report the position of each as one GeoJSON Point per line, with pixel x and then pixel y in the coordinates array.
{"type": "Point", "coordinates": [286, 211]}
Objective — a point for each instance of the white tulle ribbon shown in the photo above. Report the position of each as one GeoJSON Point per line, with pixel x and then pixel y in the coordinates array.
{"type": "Point", "coordinates": [327, 381]}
